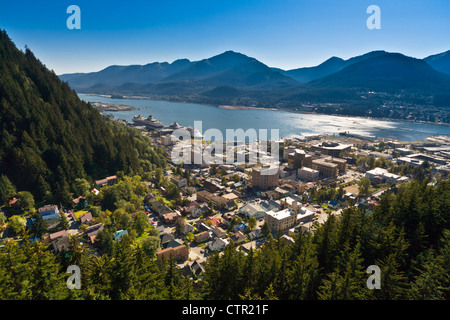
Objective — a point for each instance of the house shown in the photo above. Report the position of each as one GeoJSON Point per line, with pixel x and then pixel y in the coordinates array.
{"type": "Point", "coordinates": [179, 253]}
{"type": "Point", "coordinates": [171, 218]}
{"type": "Point", "coordinates": [249, 245]}
{"type": "Point", "coordinates": [187, 227]}
{"type": "Point", "coordinates": [165, 238]}
{"type": "Point", "coordinates": [108, 181]}
{"type": "Point", "coordinates": [238, 237]}
{"type": "Point", "coordinates": [255, 234]}
{"type": "Point", "coordinates": [86, 218]}
{"type": "Point", "coordinates": [56, 235]}
{"type": "Point", "coordinates": [49, 212]}
{"type": "Point", "coordinates": [92, 231]}
{"type": "Point", "coordinates": [193, 209]}
{"type": "Point", "coordinates": [80, 203]}
{"type": "Point", "coordinates": [333, 204]}
{"type": "Point", "coordinates": [60, 244]}
{"type": "Point", "coordinates": [203, 227]}
{"type": "Point", "coordinates": [119, 234]}
{"type": "Point", "coordinates": [173, 243]}
{"type": "Point", "coordinates": [241, 227]}
{"type": "Point", "coordinates": [231, 196]}
{"type": "Point", "coordinates": [197, 268]}
{"type": "Point", "coordinates": [226, 218]}
{"type": "Point", "coordinates": [202, 237]}
{"type": "Point", "coordinates": [218, 244]}
{"type": "Point", "coordinates": [211, 186]}
{"type": "Point", "coordinates": [159, 208]}
{"type": "Point", "coordinates": [215, 221]}
{"type": "Point", "coordinates": [219, 232]}
{"type": "Point", "coordinates": [179, 182]}
{"type": "Point", "coordinates": [218, 201]}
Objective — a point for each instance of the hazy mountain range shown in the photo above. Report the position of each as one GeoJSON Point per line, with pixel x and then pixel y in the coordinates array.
{"type": "Point", "coordinates": [235, 78]}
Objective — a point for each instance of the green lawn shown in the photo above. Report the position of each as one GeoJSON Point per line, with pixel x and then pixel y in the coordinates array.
{"type": "Point", "coordinates": [78, 214]}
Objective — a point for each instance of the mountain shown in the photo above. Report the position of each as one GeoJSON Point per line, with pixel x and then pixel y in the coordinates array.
{"type": "Point", "coordinates": [227, 69]}
{"type": "Point", "coordinates": [440, 62]}
{"type": "Point", "coordinates": [117, 75]}
{"type": "Point", "coordinates": [49, 137]}
{"type": "Point", "coordinates": [234, 69]}
{"type": "Point", "coordinates": [387, 72]}
{"type": "Point", "coordinates": [330, 66]}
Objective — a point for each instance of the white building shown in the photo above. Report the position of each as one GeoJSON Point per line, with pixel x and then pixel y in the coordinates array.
{"type": "Point", "coordinates": [218, 244]}
{"type": "Point", "coordinates": [382, 173]}
{"type": "Point", "coordinates": [307, 174]}
{"type": "Point", "coordinates": [280, 220]}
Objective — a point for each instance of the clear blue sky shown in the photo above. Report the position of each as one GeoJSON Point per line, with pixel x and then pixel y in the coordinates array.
{"type": "Point", "coordinates": [280, 33]}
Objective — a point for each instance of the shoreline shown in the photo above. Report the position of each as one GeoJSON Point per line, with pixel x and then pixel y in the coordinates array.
{"type": "Point", "coordinates": [228, 107]}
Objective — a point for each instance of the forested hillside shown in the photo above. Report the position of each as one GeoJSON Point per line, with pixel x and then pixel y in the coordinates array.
{"type": "Point", "coordinates": [49, 137]}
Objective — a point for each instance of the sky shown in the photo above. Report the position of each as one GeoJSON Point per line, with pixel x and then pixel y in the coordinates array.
{"type": "Point", "coordinates": [287, 34]}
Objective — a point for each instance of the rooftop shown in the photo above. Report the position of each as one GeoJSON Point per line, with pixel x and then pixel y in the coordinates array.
{"type": "Point", "coordinates": [282, 214]}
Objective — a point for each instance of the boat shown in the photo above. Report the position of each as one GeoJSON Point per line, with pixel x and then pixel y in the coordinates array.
{"type": "Point", "coordinates": [149, 122]}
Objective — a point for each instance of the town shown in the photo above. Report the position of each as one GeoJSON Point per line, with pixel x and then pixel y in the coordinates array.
{"type": "Point", "coordinates": [187, 211]}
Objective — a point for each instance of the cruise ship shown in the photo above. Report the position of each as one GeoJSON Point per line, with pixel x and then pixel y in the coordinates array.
{"type": "Point", "coordinates": [149, 122]}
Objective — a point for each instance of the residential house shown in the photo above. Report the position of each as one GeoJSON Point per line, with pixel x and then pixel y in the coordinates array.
{"type": "Point", "coordinates": [173, 243]}
{"type": "Point", "coordinates": [197, 268]}
{"type": "Point", "coordinates": [179, 181]}
{"type": "Point", "coordinates": [255, 234]}
{"type": "Point", "coordinates": [238, 237]}
{"type": "Point", "coordinates": [159, 208]}
{"type": "Point", "coordinates": [92, 231]}
{"type": "Point", "coordinates": [215, 221]}
{"type": "Point", "coordinates": [226, 218]}
{"type": "Point", "coordinates": [243, 227]}
{"type": "Point", "coordinates": [165, 238]}
{"type": "Point", "coordinates": [108, 181]}
{"type": "Point", "coordinates": [86, 218]}
{"type": "Point", "coordinates": [193, 209]}
{"type": "Point", "coordinates": [218, 244]}
{"type": "Point", "coordinates": [171, 217]}
{"type": "Point", "coordinates": [179, 253]}
{"type": "Point", "coordinates": [202, 237]}
{"type": "Point", "coordinates": [60, 244]}
{"type": "Point", "coordinates": [231, 196]}
{"type": "Point", "coordinates": [202, 226]}
{"type": "Point", "coordinates": [212, 186]}
{"type": "Point", "coordinates": [187, 227]}
{"type": "Point", "coordinates": [119, 234]}
{"type": "Point", "coordinates": [219, 232]}
{"type": "Point", "coordinates": [80, 203]}
{"type": "Point", "coordinates": [49, 212]}
{"type": "Point", "coordinates": [56, 235]}
{"type": "Point", "coordinates": [218, 201]}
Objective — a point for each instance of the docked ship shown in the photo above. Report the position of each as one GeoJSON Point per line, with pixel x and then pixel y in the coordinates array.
{"type": "Point", "coordinates": [149, 122]}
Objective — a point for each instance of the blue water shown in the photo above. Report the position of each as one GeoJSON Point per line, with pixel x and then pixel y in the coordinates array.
{"type": "Point", "coordinates": [288, 123]}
